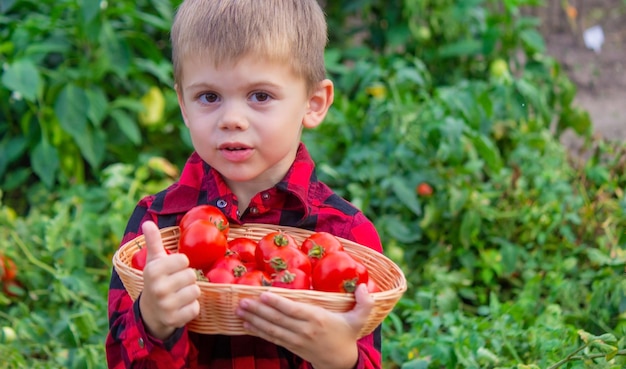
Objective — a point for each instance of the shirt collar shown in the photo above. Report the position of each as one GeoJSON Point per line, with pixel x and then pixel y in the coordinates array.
{"type": "Point", "coordinates": [198, 180]}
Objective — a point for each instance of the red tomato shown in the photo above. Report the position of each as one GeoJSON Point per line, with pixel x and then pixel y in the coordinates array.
{"type": "Point", "coordinates": [232, 264]}
{"type": "Point", "coordinates": [138, 260]}
{"type": "Point", "coordinates": [208, 212]}
{"type": "Point", "coordinates": [220, 275]}
{"type": "Point", "coordinates": [255, 278]}
{"type": "Point", "coordinates": [294, 279]}
{"type": "Point", "coordinates": [244, 248]}
{"type": "Point", "coordinates": [338, 272]}
{"type": "Point", "coordinates": [203, 243]}
{"type": "Point", "coordinates": [8, 269]}
{"type": "Point", "coordinates": [424, 189]}
{"type": "Point", "coordinates": [287, 258]}
{"type": "Point", "coordinates": [319, 244]}
{"type": "Point", "coordinates": [271, 242]}
{"type": "Point", "coordinates": [372, 286]}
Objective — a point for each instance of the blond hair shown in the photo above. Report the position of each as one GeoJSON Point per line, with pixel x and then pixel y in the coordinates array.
{"type": "Point", "coordinates": [291, 31]}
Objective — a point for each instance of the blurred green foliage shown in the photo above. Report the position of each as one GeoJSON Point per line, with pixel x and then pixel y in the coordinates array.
{"type": "Point", "coordinates": [515, 260]}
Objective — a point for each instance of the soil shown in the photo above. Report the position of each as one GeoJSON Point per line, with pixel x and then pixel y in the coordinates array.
{"type": "Point", "coordinates": [599, 76]}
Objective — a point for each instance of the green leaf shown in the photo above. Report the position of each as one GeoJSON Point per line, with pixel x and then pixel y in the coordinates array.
{"type": "Point", "coordinates": [10, 150]}
{"type": "Point", "coordinates": [5, 5]}
{"type": "Point", "coordinates": [127, 125]}
{"type": "Point", "coordinates": [406, 194]}
{"type": "Point", "coordinates": [98, 105]}
{"type": "Point", "coordinates": [533, 40]}
{"type": "Point", "coordinates": [93, 146]}
{"type": "Point", "coordinates": [23, 77]}
{"type": "Point", "coordinates": [72, 110]}
{"type": "Point", "coordinates": [470, 228]}
{"type": "Point", "coordinates": [416, 364]}
{"type": "Point", "coordinates": [461, 48]}
{"type": "Point", "coordinates": [457, 199]}
{"type": "Point", "coordinates": [89, 9]}
{"type": "Point", "coordinates": [115, 49]}
{"type": "Point", "coordinates": [575, 118]}
{"type": "Point", "coordinates": [45, 162]}
{"type": "Point", "coordinates": [487, 151]}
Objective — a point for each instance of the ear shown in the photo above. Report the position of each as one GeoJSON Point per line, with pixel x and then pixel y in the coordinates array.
{"type": "Point", "coordinates": [319, 102]}
{"type": "Point", "coordinates": [181, 103]}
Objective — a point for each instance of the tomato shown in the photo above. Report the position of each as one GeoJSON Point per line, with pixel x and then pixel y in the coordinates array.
{"type": "Point", "coordinates": [232, 264]}
{"type": "Point", "coordinates": [8, 269]}
{"type": "Point", "coordinates": [338, 272]}
{"type": "Point", "coordinates": [203, 243]}
{"type": "Point", "coordinates": [271, 242]}
{"type": "Point", "coordinates": [255, 278]}
{"type": "Point", "coordinates": [220, 275]}
{"type": "Point", "coordinates": [319, 244]}
{"type": "Point", "coordinates": [138, 260]}
{"type": "Point", "coordinates": [424, 189]}
{"type": "Point", "coordinates": [372, 286]}
{"type": "Point", "coordinates": [295, 279]}
{"type": "Point", "coordinates": [286, 258]}
{"type": "Point", "coordinates": [208, 212]}
{"type": "Point", "coordinates": [244, 248]}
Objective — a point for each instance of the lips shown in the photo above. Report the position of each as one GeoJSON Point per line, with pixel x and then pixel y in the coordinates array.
{"type": "Point", "coordinates": [235, 151]}
{"type": "Point", "coordinates": [234, 146]}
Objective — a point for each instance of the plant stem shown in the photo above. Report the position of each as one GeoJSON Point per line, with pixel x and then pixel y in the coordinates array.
{"type": "Point", "coordinates": [573, 356]}
{"type": "Point", "coordinates": [30, 256]}
{"type": "Point", "coordinates": [568, 357]}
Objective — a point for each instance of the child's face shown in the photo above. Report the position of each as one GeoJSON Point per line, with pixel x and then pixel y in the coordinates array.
{"type": "Point", "coordinates": [246, 118]}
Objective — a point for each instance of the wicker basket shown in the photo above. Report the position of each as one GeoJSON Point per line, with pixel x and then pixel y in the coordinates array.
{"type": "Point", "coordinates": [218, 301]}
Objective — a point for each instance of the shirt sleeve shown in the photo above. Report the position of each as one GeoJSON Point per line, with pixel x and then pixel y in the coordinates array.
{"type": "Point", "coordinates": [370, 357]}
{"type": "Point", "coordinates": [127, 343]}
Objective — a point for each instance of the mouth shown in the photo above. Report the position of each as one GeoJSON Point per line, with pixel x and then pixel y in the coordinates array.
{"type": "Point", "coordinates": [234, 147]}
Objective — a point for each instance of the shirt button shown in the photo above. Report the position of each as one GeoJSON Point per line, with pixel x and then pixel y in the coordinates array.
{"type": "Point", "coordinates": [141, 343]}
{"type": "Point", "coordinates": [265, 196]}
{"type": "Point", "coordinates": [254, 210]}
{"type": "Point", "coordinates": [221, 204]}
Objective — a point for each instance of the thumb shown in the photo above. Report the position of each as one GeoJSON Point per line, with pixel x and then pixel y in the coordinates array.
{"type": "Point", "coordinates": [154, 243]}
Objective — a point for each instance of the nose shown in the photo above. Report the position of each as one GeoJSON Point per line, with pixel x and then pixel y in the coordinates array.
{"type": "Point", "coordinates": [233, 117]}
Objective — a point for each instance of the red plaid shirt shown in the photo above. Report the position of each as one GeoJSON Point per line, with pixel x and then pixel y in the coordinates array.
{"type": "Point", "coordinates": [299, 200]}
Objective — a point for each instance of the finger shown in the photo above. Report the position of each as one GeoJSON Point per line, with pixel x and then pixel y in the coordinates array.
{"type": "Point", "coordinates": [364, 303]}
{"type": "Point", "coordinates": [154, 243]}
{"type": "Point", "coordinates": [293, 309]}
{"type": "Point", "coordinates": [168, 278]}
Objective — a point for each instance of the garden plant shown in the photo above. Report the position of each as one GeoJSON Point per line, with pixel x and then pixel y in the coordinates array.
{"type": "Point", "coordinates": [445, 131]}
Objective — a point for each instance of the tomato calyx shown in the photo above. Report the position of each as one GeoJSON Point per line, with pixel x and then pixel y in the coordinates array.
{"type": "Point", "coordinates": [349, 285]}
{"type": "Point", "coordinates": [281, 240]}
{"type": "Point", "coordinates": [293, 279]}
{"type": "Point", "coordinates": [277, 263]}
{"type": "Point", "coordinates": [287, 277]}
{"type": "Point", "coordinates": [316, 251]}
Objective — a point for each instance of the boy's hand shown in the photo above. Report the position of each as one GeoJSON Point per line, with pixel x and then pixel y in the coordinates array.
{"type": "Point", "coordinates": [321, 337]}
{"type": "Point", "coordinates": [170, 294]}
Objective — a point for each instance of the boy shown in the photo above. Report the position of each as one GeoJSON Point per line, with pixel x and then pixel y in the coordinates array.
{"type": "Point", "coordinates": [249, 77]}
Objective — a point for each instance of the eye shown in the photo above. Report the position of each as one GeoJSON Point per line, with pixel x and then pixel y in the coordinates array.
{"type": "Point", "coordinates": [208, 98]}
{"type": "Point", "coordinates": [260, 96]}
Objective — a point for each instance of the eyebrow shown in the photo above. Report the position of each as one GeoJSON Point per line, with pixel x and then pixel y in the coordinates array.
{"type": "Point", "coordinates": [250, 86]}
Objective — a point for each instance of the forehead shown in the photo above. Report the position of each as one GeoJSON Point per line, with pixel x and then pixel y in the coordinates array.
{"type": "Point", "coordinates": [247, 66]}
